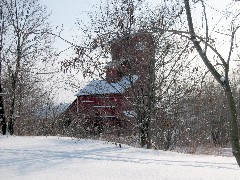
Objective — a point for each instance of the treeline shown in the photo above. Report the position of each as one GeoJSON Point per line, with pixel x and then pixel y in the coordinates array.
{"type": "Point", "coordinates": [200, 118]}
{"type": "Point", "coordinates": [26, 51]}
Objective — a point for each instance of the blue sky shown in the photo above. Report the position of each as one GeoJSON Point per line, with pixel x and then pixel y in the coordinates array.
{"type": "Point", "coordinates": [66, 12]}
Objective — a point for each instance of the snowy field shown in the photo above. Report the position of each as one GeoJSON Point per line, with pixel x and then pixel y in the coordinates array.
{"type": "Point", "coordinates": [53, 158]}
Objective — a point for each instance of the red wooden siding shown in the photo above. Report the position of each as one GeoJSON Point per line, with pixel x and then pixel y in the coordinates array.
{"type": "Point", "coordinates": [111, 105]}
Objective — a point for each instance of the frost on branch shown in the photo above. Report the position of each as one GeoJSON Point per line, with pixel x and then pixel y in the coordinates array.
{"type": "Point", "coordinates": [222, 79]}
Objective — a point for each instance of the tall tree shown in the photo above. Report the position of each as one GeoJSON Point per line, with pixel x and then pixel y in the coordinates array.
{"type": "Point", "coordinates": [27, 42]}
{"type": "Point", "coordinates": [202, 44]}
{"type": "Point", "coordinates": [2, 29]}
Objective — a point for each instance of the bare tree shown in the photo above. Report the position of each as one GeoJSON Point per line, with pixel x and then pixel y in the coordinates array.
{"type": "Point", "coordinates": [27, 42]}
{"type": "Point", "coordinates": [2, 29]}
{"type": "Point", "coordinates": [202, 44]}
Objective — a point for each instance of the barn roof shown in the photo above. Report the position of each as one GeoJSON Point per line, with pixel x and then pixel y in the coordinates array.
{"type": "Point", "coordinates": [104, 87]}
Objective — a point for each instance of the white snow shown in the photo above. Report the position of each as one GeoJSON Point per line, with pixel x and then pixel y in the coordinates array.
{"type": "Point", "coordinates": [130, 113]}
{"type": "Point", "coordinates": [53, 158]}
{"type": "Point", "coordinates": [115, 63]}
{"type": "Point", "coordinates": [103, 87]}
{"type": "Point", "coordinates": [140, 46]}
{"type": "Point", "coordinates": [222, 79]}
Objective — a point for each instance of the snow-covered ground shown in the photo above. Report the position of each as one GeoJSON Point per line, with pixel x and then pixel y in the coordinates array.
{"type": "Point", "coordinates": [53, 158]}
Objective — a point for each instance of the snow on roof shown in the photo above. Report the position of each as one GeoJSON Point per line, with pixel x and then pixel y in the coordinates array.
{"type": "Point", "coordinates": [104, 87]}
{"type": "Point", "coordinates": [130, 113]}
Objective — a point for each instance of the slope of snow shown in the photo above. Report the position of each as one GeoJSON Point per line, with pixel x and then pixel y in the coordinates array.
{"type": "Point", "coordinates": [53, 158]}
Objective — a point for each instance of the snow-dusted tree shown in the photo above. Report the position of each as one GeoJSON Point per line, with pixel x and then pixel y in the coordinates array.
{"type": "Point", "coordinates": [218, 65]}
{"type": "Point", "coordinates": [27, 42]}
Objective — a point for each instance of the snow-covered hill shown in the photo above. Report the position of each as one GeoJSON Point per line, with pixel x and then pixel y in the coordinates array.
{"type": "Point", "coordinates": [53, 158]}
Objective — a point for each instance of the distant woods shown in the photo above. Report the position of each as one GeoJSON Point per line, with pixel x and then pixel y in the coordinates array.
{"type": "Point", "coordinates": [26, 50]}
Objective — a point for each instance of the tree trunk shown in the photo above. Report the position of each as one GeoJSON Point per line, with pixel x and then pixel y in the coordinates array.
{"type": "Point", "coordinates": [12, 106]}
{"type": "Point", "coordinates": [143, 139]}
{"type": "Point", "coordinates": [149, 134]}
{"type": "Point", "coordinates": [2, 113]}
{"type": "Point", "coordinates": [145, 135]}
{"type": "Point", "coordinates": [14, 84]}
{"type": "Point", "coordinates": [234, 123]}
{"type": "Point", "coordinates": [142, 128]}
{"type": "Point", "coordinates": [150, 103]}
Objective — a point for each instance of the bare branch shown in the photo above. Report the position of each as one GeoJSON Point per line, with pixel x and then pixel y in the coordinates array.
{"type": "Point", "coordinates": [199, 49]}
{"type": "Point", "coordinates": [206, 24]}
{"type": "Point", "coordinates": [231, 45]}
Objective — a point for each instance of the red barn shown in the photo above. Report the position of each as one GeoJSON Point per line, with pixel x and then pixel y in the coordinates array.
{"type": "Point", "coordinates": [109, 101]}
